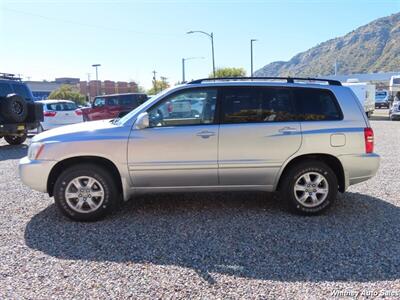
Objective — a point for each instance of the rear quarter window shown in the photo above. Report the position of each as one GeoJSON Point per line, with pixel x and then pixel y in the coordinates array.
{"type": "Point", "coordinates": [316, 105]}
{"type": "Point", "coordinates": [22, 90]}
{"type": "Point", "coordinates": [5, 89]}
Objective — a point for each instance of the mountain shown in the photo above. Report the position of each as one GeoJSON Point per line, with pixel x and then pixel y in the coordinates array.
{"type": "Point", "coordinates": [374, 47]}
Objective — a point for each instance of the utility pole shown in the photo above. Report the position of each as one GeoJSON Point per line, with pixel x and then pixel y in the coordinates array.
{"type": "Point", "coordinates": [88, 87]}
{"type": "Point", "coordinates": [251, 56]}
{"type": "Point", "coordinates": [155, 81]}
{"type": "Point", "coordinates": [183, 66]}
{"type": "Point", "coordinates": [97, 78]}
{"type": "Point", "coordinates": [335, 66]}
{"type": "Point", "coordinates": [164, 82]}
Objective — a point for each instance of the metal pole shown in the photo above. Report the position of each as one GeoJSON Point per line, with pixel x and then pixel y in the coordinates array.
{"type": "Point", "coordinates": [183, 70]}
{"type": "Point", "coordinates": [212, 49]}
{"type": "Point", "coordinates": [251, 57]}
{"type": "Point", "coordinates": [97, 78]}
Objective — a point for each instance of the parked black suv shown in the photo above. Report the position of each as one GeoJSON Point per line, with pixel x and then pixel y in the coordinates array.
{"type": "Point", "coordinates": [18, 112]}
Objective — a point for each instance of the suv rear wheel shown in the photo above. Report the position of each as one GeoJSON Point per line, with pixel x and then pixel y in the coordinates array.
{"type": "Point", "coordinates": [85, 192]}
{"type": "Point", "coordinates": [14, 139]}
{"type": "Point", "coordinates": [309, 187]}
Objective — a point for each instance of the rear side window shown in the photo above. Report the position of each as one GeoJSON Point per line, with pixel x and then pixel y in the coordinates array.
{"type": "Point", "coordinates": [128, 100]}
{"type": "Point", "coordinates": [257, 104]}
{"type": "Point", "coordinates": [5, 89]}
{"type": "Point", "coordinates": [22, 90]}
{"type": "Point", "coordinates": [316, 105]}
{"type": "Point", "coordinates": [63, 106]}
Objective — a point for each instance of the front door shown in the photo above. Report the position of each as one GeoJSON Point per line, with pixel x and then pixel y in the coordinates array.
{"type": "Point", "coordinates": [180, 146]}
{"type": "Point", "coordinates": [258, 133]}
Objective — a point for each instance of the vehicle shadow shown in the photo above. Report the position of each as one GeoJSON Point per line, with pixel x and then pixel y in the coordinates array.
{"type": "Point", "coordinates": [13, 152]}
{"type": "Point", "coordinates": [241, 234]}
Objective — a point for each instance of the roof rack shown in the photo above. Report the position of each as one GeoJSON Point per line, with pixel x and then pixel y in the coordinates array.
{"type": "Point", "coordinates": [287, 79]}
{"type": "Point", "coordinates": [9, 76]}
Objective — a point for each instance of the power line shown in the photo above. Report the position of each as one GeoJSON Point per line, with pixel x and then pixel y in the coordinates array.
{"type": "Point", "coordinates": [90, 25]}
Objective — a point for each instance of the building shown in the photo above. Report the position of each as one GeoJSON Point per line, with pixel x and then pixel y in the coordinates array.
{"type": "Point", "coordinates": [42, 89]}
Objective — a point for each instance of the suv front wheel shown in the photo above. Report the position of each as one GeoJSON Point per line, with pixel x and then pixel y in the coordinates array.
{"type": "Point", "coordinates": [309, 187]}
{"type": "Point", "coordinates": [85, 192]}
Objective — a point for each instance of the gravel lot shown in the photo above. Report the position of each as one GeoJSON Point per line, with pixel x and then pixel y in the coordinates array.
{"type": "Point", "coordinates": [220, 245]}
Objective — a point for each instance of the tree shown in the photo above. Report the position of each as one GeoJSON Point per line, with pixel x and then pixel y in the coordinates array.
{"type": "Point", "coordinates": [158, 86]}
{"type": "Point", "coordinates": [228, 72]}
{"type": "Point", "coordinates": [68, 92]}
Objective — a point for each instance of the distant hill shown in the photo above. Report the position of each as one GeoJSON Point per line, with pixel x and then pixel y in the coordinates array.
{"type": "Point", "coordinates": [374, 47]}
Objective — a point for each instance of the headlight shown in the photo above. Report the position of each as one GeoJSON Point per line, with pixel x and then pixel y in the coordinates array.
{"type": "Point", "coordinates": [34, 151]}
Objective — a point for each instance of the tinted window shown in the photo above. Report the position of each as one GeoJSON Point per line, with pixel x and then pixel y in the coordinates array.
{"type": "Point", "coordinates": [61, 106]}
{"type": "Point", "coordinates": [396, 80]}
{"type": "Point", "coordinates": [22, 90]}
{"type": "Point", "coordinates": [128, 100]}
{"type": "Point", "coordinates": [316, 105]}
{"type": "Point", "coordinates": [5, 89]}
{"type": "Point", "coordinates": [255, 104]}
{"type": "Point", "coordinates": [192, 107]}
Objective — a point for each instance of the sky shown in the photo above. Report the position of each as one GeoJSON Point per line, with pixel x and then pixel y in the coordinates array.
{"type": "Point", "coordinates": [45, 39]}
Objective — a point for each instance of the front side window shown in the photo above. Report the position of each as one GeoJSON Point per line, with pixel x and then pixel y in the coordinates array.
{"type": "Point", "coordinates": [316, 105]}
{"type": "Point", "coordinates": [190, 107]}
{"type": "Point", "coordinates": [257, 105]}
{"type": "Point", "coordinates": [98, 102]}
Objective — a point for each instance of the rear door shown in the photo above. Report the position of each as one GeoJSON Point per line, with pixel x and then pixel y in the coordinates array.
{"type": "Point", "coordinates": [258, 133]}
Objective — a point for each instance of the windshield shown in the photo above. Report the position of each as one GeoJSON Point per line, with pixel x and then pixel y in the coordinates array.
{"type": "Point", "coordinates": [127, 117]}
{"type": "Point", "coordinates": [380, 95]}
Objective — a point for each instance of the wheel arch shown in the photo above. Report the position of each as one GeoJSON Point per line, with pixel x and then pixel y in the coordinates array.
{"type": "Point", "coordinates": [332, 161]}
{"type": "Point", "coordinates": [97, 160]}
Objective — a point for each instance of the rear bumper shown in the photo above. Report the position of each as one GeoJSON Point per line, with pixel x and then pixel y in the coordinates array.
{"type": "Point", "coordinates": [17, 128]}
{"type": "Point", "coordinates": [359, 167]}
{"type": "Point", "coordinates": [48, 126]}
{"type": "Point", "coordinates": [35, 173]}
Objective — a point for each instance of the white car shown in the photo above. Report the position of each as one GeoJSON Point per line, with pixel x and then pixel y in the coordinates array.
{"type": "Point", "coordinates": [58, 113]}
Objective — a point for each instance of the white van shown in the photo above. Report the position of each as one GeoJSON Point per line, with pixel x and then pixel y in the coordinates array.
{"type": "Point", "coordinates": [365, 93]}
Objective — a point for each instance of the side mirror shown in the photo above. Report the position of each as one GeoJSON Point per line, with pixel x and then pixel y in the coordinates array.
{"type": "Point", "coordinates": [142, 121]}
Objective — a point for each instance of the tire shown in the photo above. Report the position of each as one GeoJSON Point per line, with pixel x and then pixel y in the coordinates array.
{"type": "Point", "coordinates": [85, 207]}
{"type": "Point", "coordinates": [15, 140]}
{"type": "Point", "coordinates": [314, 203]}
{"type": "Point", "coordinates": [13, 108]}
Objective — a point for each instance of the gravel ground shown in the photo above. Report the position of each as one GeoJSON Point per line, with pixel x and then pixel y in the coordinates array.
{"type": "Point", "coordinates": [219, 245]}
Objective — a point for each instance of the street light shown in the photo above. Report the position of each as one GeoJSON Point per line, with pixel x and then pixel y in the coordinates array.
{"type": "Point", "coordinates": [97, 78]}
{"type": "Point", "coordinates": [251, 56]}
{"type": "Point", "coordinates": [211, 36]}
{"type": "Point", "coordinates": [183, 66]}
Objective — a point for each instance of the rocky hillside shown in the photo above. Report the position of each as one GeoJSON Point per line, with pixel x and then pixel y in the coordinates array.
{"type": "Point", "coordinates": [373, 47]}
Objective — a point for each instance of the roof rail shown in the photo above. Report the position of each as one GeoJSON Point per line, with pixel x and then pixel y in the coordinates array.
{"type": "Point", "coordinates": [287, 79]}
{"type": "Point", "coordinates": [9, 76]}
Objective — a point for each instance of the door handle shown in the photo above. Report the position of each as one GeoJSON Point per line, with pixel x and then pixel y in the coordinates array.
{"type": "Point", "coordinates": [205, 134]}
{"type": "Point", "coordinates": [288, 130]}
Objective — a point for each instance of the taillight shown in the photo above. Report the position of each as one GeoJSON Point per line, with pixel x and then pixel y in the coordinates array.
{"type": "Point", "coordinates": [49, 113]}
{"type": "Point", "coordinates": [78, 112]}
{"type": "Point", "coordinates": [369, 140]}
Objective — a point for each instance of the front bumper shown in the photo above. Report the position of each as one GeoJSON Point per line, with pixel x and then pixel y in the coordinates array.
{"type": "Point", "coordinates": [359, 167]}
{"type": "Point", "coordinates": [35, 173]}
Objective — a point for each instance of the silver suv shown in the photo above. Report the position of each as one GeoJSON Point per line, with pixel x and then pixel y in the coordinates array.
{"type": "Point", "coordinates": [306, 138]}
